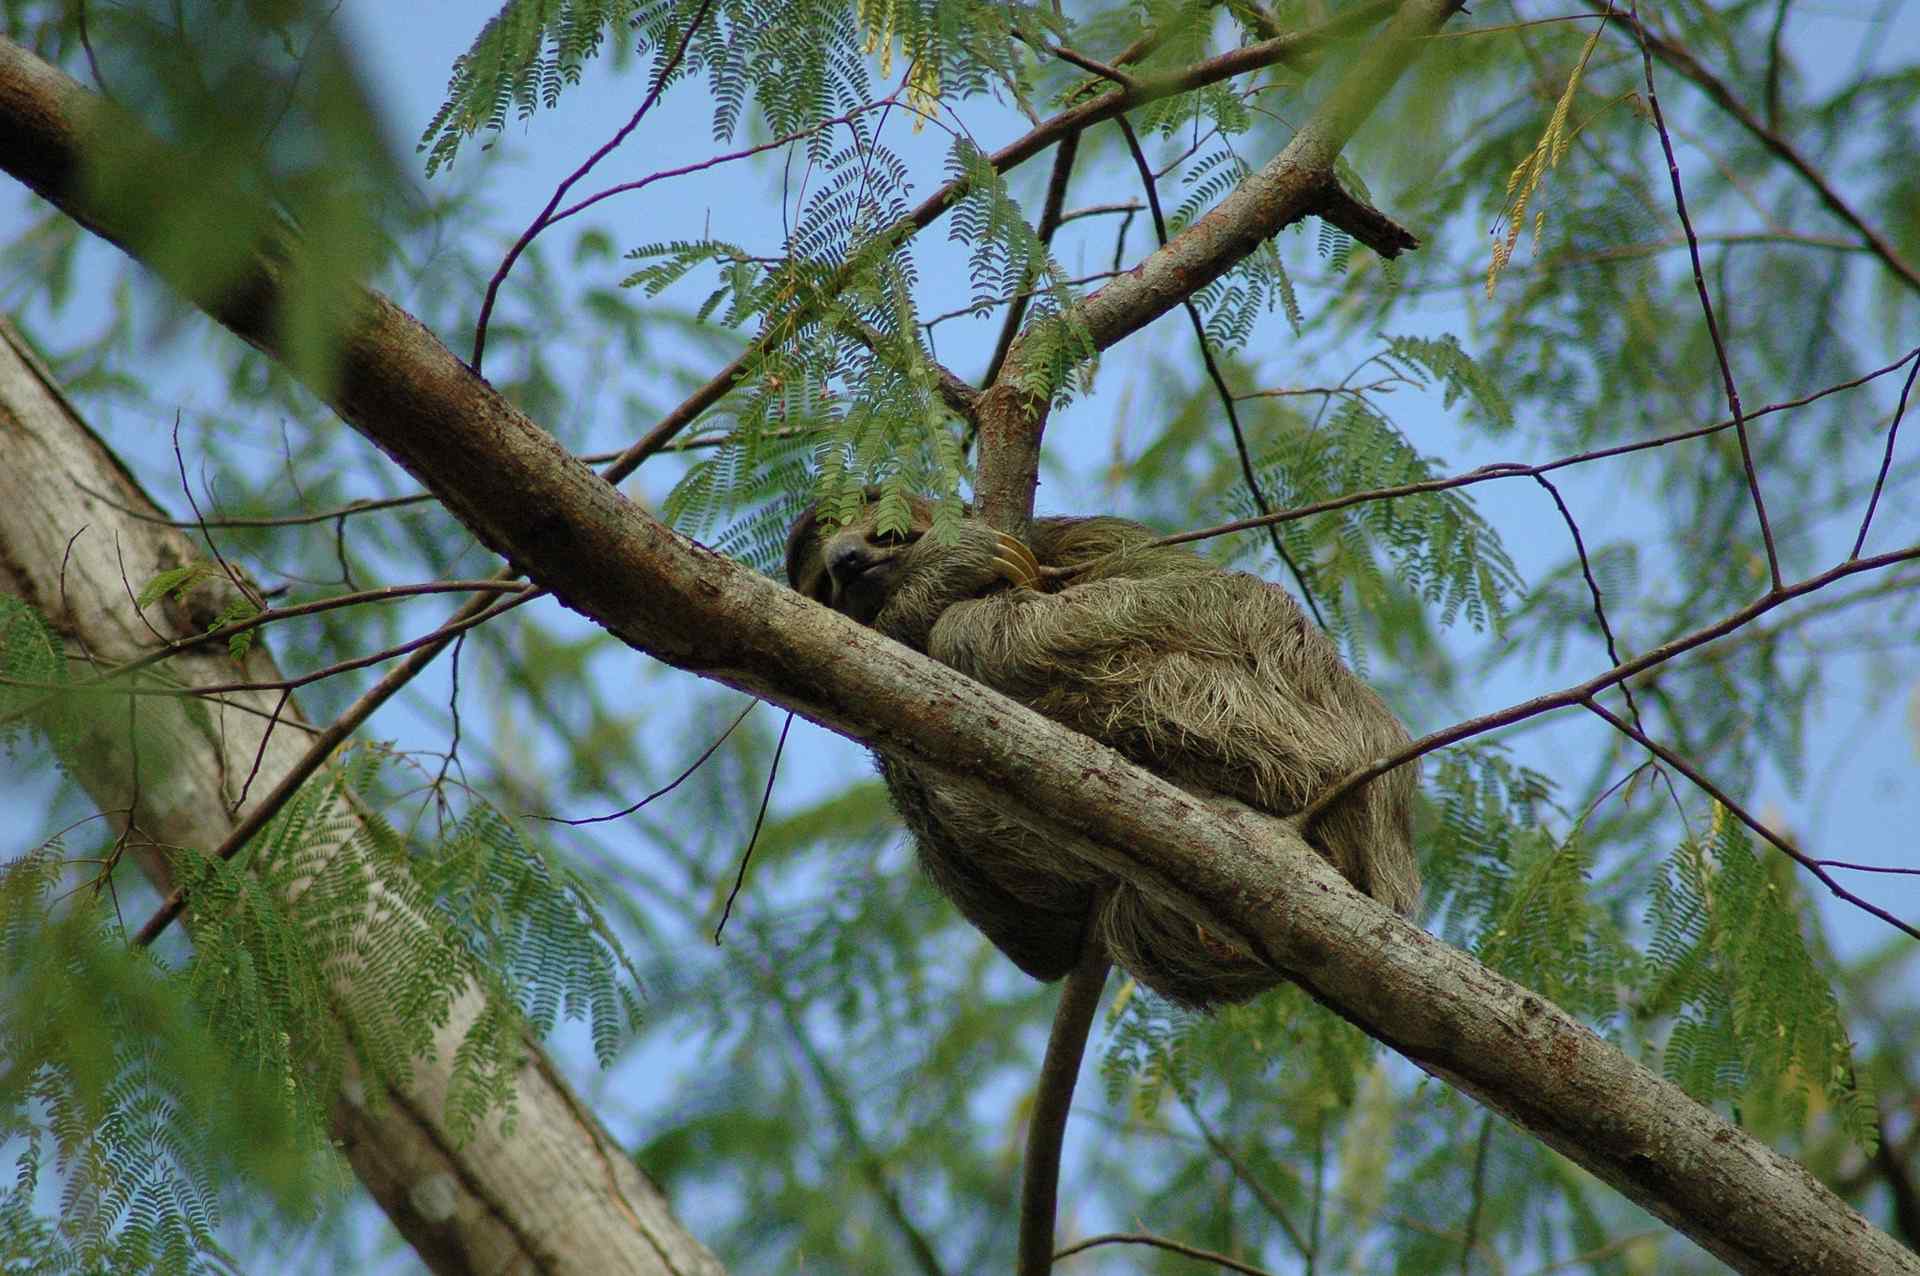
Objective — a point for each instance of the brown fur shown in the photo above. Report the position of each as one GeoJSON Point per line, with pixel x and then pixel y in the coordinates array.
{"type": "Point", "coordinates": [1212, 678]}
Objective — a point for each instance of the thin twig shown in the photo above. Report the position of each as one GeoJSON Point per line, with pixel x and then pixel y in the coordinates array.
{"type": "Point", "coordinates": [348, 510]}
{"type": "Point", "coordinates": [1894, 584]}
{"type": "Point", "coordinates": [299, 69]}
{"type": "Point", "coordinates": [522, 594]}
{"type": "Point", "coordinates": [1384, 384]}
{"type": "Point", "coordinates": [1740, 813]}
{"type": "Point", "coordinates": [259, 750]}
{"type": "Point", "coordinates": [1551, 262]}
{"type": "Point", "coordinates": [375, 505]}
{"type": "Point", "coordinates": [1081, 60]}
{"type": "Point", "coordinates": [240, 582]}
{"type": "Point", "coordinates": [126, 586]}
{"type": "Point", "coordinates": [978, 309]}
{"type": "Point", "coordinates": [869, 1163]}
{"type": "Point", "coordinates": [1623, 782]}
{"type": "Point", "coordinates": [1050, 220]}
{"type": "Point", "coordinates": [1477, 1198]}
{"type": "Point", "coordinates": [93, 62]}
{"type": "Point", "coordinates": [1269, 1201]}
{"type": "Point", "coordinates": [1247, 471]}
{"type": "Point", "coordinates": [66, 603]}
{"type": "Point", "coordinates": [661, 792]}
{"type": "Point", "coordinates": [1683, 61]}
{"type": "Point", "coordinates": [746, 856]}
{"type": "Point", "coordinates": [1496, 470]}
{"type": "Point", "coordinates": [1593, 585]}
{"type": "Point", "coordinates": [1886, 461]}
{"type": "Point", "coordinates": [1706, 307]}
{"type": "Point", "coordinates": [1161, 1242]}
{"type": "Point", "coordinates": [213, 696]}
{"type": "Point", "coordinates": [1100, 210]}
{"type": "Point", "coordinates": [452, 756]}
{"type": "Point", "coordinates": [747, 152]}
{"type": "Point", "coordinates": [1853, 867]}
{"type": "Point", "coordinates": [1582, 693]}
{"type": "Point", "coordinates": [1592, 1258]}
{"type": "Point", "coordinates": [545, 217]}
{"type": "Point", "coordinates": [175, 647]}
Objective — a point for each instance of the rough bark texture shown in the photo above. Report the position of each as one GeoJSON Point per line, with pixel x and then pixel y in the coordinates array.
{"type": "Point", "coordinates": [560, 1196]}
{"type": "Point", "coordinates": [1252, 878]}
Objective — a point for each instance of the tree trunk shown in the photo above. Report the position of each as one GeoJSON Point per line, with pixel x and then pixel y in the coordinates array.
{"type": "Point", "coordinates": [560, 1195]}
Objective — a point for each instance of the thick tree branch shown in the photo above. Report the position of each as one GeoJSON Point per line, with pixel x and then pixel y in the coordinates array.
{"type": "Point", "coordinates": [1250, 879]}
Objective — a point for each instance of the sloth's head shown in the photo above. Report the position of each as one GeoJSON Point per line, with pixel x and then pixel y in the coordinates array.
{"type": "Point", "coordinates": [900, 581]}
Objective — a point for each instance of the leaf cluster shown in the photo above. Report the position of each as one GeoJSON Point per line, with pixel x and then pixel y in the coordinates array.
{"type": "Point", "coordinates": [161, 1089]}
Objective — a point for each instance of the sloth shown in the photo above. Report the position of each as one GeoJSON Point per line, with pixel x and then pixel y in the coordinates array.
{"type": "Point", "coordinates": [1213, 679]}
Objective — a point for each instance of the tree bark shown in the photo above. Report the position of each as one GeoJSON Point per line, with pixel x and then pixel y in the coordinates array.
{"type": "Point", "coordinates": [560, 1196]}
{"type": "Point", "coordinates": [1247, 877]}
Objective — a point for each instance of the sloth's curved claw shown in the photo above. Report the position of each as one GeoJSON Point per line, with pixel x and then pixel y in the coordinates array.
{"type": "Point", "coordinates": [1016, 562]}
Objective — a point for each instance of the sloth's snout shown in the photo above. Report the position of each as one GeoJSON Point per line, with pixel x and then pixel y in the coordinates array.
{"type": "Point", "coordinates": [848, 559]}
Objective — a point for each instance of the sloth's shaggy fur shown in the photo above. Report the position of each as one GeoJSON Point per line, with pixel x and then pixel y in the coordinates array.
{"type": "Point", "coordinates": [1212, 678]}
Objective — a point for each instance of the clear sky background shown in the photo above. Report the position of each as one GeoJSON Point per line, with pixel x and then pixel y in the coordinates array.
{"type": "Point", "coordinates": [1861, 800]}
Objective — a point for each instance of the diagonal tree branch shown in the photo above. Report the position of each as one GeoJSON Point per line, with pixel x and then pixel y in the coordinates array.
{"type": "Point", "coordinates": [1249, 878]}
{"type": "Point", "coordinates": [1291, 185]}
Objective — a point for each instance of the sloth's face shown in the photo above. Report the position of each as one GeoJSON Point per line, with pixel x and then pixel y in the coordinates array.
{"type": "Point", "coordinates": [862, 567]}
{"type": "Point", "coordinates": [852, 569]}
{"type": "Point", "coordinates": [859, 570]}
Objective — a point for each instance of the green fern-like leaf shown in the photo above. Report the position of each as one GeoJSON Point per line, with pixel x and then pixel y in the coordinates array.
{"type": "Point", "coordinates": [134, 1088]}
{"type": "Point", "coordinates": [1756, 1022]}
{"type": "Point", "coordinates": [33, 669]}
{"type": "Point", "coordinates": [521, 60]}
{"type": "Point", "coordinates": [1147, 1051]}
{"type": "Point", "coordinates": [1444, 359]}
{"type": "Point", "coordinates": [178, 581]}
{"type": "Point", "coordinates": [1440, 546]}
